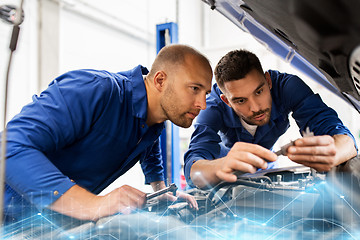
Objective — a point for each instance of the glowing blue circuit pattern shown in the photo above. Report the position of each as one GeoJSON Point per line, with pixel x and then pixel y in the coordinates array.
{"type": "Point", "coordinates": [277, 205]}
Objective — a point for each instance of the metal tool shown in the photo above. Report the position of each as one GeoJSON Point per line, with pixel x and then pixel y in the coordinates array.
{"type": "Point", "coordinates": [284, 148]}
{"type": "Point", "coordinates": [172, 188]}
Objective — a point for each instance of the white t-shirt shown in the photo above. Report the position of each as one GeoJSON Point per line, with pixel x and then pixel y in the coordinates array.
{"type": "Point", "coordinates": [250, 128]}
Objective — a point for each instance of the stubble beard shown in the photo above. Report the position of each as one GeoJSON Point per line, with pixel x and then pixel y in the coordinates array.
{"type": "Point", "coordinates": [252, 121]}
{"type": "Point", "coordinates": [171, 110]}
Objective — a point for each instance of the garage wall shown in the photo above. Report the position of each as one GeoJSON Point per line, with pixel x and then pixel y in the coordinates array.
{"type": "Point", "coordinates": [23, 69]}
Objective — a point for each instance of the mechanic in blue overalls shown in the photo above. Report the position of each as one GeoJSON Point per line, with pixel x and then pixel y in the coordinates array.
{"type": "Point", "coordinates": [247, 111]}
{"type": "Point", "coordinates": [89, 127]}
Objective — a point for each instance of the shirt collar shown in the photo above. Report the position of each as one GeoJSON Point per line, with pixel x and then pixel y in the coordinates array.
{"type": "Point", "coordinates": [139, 98]}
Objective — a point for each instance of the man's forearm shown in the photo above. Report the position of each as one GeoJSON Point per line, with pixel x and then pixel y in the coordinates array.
{"type": "Point", "coordinates": [77, 202]}
{"type": "Point", "coordinates": [345, 148]}
{"type": "Point", "coordinates": [158, 185]}
{"type": "Point", "coordinates": [203, 173]}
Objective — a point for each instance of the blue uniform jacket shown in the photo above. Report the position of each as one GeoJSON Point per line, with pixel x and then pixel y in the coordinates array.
{"type": "Point", "coordinates": [87, 128]}
{"type": "Point", "coordinates": [218, 127]}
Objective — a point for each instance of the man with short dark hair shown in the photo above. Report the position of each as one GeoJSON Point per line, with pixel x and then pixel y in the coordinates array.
{"type": "Point", "coordinates": [89, 127]}
{"type": "Point", "coordinates": [247, 111]}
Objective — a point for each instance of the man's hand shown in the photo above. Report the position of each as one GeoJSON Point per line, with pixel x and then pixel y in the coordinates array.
{"type": "Point", "coordinates": [322, 152]}
{"type": "Point", "coordinates": [124, 199]}
{"type": "Point", "coordinates": [180, 195]}
{"type": "Point", "coordinates": [82, 204]}
{"type": "Point", "coordinates": [158, 185]}
{"type": "Point", "coordinates": [245, 157]}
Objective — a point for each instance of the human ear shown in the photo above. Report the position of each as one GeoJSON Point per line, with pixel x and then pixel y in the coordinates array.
{"type": "Point", "coordinates": [225, 100]}
{"type": "Point", "coordinates": [268, 79]}
{"type": "Point", "coordinates": [159, 80]}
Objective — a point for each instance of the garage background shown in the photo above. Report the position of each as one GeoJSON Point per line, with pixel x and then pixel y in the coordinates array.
{"type": "Point", "coordinates": [62, 35]}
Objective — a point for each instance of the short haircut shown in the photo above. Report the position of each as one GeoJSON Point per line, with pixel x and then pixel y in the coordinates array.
{"type": "Point", "coordinates": [236, 65]}
{"type": "Point", "coordinates": [174, 55]}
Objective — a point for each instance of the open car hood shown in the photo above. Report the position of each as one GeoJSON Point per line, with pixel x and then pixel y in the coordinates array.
{"type": "Point", "coordinates": [321, 38]}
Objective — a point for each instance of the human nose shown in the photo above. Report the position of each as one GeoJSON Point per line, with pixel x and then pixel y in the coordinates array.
{"type": "Point", "coordinates": [201, 102]}
{"type": "Point", "coordinates": [254, 106]}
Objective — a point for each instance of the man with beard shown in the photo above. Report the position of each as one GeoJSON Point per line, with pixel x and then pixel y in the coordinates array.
{"type": "Point", "coordinates": [247, 111]}
{"type": "Point", "coordinates": [89, 127]}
